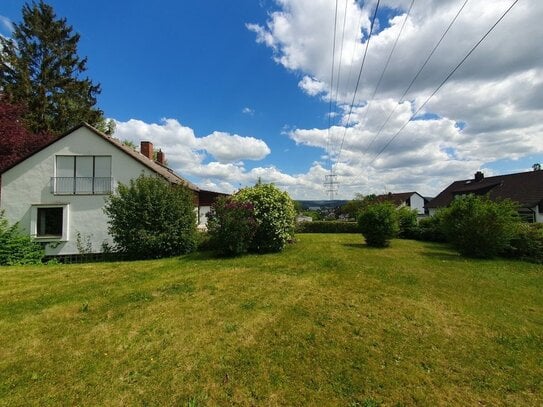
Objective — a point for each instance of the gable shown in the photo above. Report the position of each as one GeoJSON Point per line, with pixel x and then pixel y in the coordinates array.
{"type": "Point", "coordinates": [86, 140]}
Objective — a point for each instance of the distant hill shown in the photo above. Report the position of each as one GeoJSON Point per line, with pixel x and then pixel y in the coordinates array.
{"type": "Point", "coordinates": [322, 204]}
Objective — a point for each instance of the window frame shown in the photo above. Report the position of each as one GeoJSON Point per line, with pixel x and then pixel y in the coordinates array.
{"type": "Point", "coordinates": [93, 178]}
{"type": "Point", "coordinates": [34, 223]}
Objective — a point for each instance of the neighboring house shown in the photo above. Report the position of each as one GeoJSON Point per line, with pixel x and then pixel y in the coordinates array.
{"type": "Point", "coordinates": [303, 218]}
{"type": "Point", "coordinates": [525, 188]}
{"type": "Point", "coordinates": [58, 193]}
{"type": "Point", "coordinates": [207, 198]}
{"type": "Point", "coordinates": [412, 200]}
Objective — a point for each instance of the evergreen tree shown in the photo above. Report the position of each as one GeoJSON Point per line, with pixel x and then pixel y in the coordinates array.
{"type": "Point", "coordinates": [40, 70]}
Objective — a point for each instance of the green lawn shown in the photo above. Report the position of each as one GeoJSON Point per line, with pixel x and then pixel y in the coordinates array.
{"type": "Point", "coordinates": [327, 322]}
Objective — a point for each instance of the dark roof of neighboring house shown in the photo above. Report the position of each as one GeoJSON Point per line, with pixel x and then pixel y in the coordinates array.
{"type": "Point", "coordinates": [525, 188]}
{"type": "Point", "coordinates": [207, 198]}
{"type": "Point", "coordinates": [397, 199]}
{"type": "Point", "coordinates": [159, 169]}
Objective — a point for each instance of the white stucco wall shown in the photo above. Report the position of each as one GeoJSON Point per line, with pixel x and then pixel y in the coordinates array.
{"type": "Point", "coordinates": [29, 183]}
{"type": "Point", "coordinates": [538, 216]}
{"type": "Point", "coordinates": [417, 202]}
{"type": "Point", "coordinates": [202, 216]}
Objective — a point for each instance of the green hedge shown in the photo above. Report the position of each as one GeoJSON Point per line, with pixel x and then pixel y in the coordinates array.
{"type": "Point", "coordinates": [327, 227]}
{"type": "Point", "coordinates": [479, 227]}
{"type": "Point", "coordinates": [17, 248]}
{"type": "Point", "coordinates": [527, 243]}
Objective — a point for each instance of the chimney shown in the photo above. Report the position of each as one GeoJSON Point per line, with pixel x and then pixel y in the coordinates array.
{"type": "Point", "coordinates": [160, 157]}
{"type": "Point", "coordinates": [146, 148]}
{"type": "Point", "coordinates": [479, 176]}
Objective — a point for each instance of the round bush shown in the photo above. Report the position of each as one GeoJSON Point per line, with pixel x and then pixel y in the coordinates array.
{"type": "Point", "coordinates": [379, 224]}
{"type": "Point", "coordinates": [274, 213]}
{"type": "Point", "coordinates": [479, 227]}
{"type": "Point", "coordinates": [149, 218]}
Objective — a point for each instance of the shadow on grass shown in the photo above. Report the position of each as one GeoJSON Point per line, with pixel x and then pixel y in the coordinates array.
{"type": "Point", "coordinates": [201, 255]}
{"type": "Point", "coordinates": [206, 255]}
{"type": "Point", "coordinates": [363, 246]}
{"type": "Point", "coordinates": [440, 251]}
{"type": "Point", "coordinates": [443, 255]}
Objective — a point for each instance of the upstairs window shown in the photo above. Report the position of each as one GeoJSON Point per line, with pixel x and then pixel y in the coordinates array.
{"type": "Point", "coordinates": [82, 175]}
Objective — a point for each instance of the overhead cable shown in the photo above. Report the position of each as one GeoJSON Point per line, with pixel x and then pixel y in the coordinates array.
{"type": "Point", "coordinates": [328, 140]}
{"type": "Point", "coordinates": [444, 81]}
{"type": "Point", "coordinates": [358, 80]}
{"type": "Point", "coordinates": [416, 75]}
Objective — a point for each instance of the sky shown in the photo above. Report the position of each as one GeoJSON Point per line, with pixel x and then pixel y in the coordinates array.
{"type": "Point", "coordinates": [237, 91]}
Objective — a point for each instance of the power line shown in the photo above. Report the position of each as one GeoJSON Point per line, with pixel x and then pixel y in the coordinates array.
{"type": "Point", "coordinates": [387, 62]}
{"type": "Point", "coordinates": [328, 141]}
{"type": "Point", "coordinates": [354, 49]}
{"type": "Point", "coordinates": [338, 81]}
{"type": "Point", "coordinates": [445, 80]}
{"type": "Point", "coordinates": [358, 81]}
{"type": "Point", "coordinates": [416, 75]}
{"type": "Point", "coordinates": [341, 51]}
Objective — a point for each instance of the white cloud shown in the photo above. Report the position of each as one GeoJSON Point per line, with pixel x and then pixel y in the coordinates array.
{"type": "Point", "coordinates": [184, 148]}
{"type": "Point", "coordinates": [226, 147]}
{"type": "Point", "coordinates": [312, 86]}
{"type": "Point", "coordinates": [491, 109]}
{"type": "Point", "coordinates": [248, 110]}
{"type": "Point", "coordinates": [188, 156]}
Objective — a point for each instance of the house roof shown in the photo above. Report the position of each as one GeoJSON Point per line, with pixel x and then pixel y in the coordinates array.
{"type": "Point", "coordinates": [525, 188]}
{"type": "Point", "coordinates": [397, 198]}
{"type": "Point", "coordinates": [157, 168]}
{"type": "Point", "coordinates": [207, 198]}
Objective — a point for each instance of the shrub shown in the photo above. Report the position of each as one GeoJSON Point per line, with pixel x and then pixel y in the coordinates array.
{"type": "Point", "coordinates": [149, 218]}
{"type": "Point", "coordinates": [407, 222]}
{"type": "Point", "coordinates": [431, 229]}
{"type": "Point", "coordinates": [231, 226]}
{"type": "Point", "coordinates": [274, 213]}
{"type": "Point", "coordinates": [527, 243]}
{"type": "Point", "coordinates": [479, 227]}
{"type": "Point", "coordinates": [327, 227]}
{"type": "Point", "coordinates": [16, 248]}
{"type": "Point", "coordinates": [203, 241]}
{"type": "Point", "coordinates": [379, 223]}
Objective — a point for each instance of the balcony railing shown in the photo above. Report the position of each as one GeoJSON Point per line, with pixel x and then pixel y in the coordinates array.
{"type": "Point", "coordinates": [81, 185]}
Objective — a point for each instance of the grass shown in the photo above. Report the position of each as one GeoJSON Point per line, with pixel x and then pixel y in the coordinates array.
{"type": "Point", "coordinates": [328, 322]}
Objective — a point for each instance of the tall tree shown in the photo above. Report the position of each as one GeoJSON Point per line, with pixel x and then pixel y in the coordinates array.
{"type": "Point", "coordinates": [40, 70]}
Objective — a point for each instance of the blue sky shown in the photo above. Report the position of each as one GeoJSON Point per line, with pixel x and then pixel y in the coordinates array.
{"type": "Point", "coordinates": [245, 85]}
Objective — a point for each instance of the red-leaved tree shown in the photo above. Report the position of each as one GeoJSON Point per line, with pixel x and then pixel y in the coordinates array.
{"type": "Point", "coordinates": [16, 142]}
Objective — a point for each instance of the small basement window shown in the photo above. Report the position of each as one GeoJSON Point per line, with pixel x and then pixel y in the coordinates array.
{"type": "Point", "coordinates": [49, 222]}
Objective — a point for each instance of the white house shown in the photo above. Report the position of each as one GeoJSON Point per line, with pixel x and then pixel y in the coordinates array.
{"type": "Point", "coordinates": [413, 200]}
{"type": "Point", "coordinates": [58, 193]}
